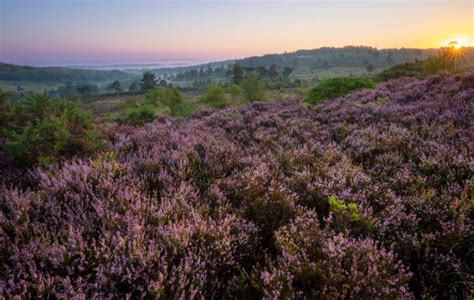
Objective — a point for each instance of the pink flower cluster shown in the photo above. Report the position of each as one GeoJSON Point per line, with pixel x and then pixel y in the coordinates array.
{"type": "Point", "coordinates": [354, 198]}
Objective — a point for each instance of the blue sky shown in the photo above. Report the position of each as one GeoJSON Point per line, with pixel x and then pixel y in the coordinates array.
{"type": "Point", "coordinates": [68, 31]}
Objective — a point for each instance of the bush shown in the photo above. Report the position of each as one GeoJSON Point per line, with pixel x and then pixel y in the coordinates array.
{"type": "Point", "coordinates": [41, 131]}
{"type": "Point", "coordinates": [254, 89]}
{"type": "Point", "coordinates": [136, 113]}
{"type": "Point", "coordinates": [411, 69]}
{"type": "Point", "coordinates": [164, 101]}
{"type": "Point", "coordinates": [235, 91]}
{"type": "Point", "coordinates": [335, 87]}
{"type": "Point", "coordinates": [215, 97]}
{"type": "Point", "coordinates": [443, 62]}
{"type": "Point", "coordinates": [164, 96]}
{"type": "Point", "coordinates": [4, 111]}
{"type": "Point", "coordinates": [168, 99]}
{"type": "Point", "coordinates": [318, 264]}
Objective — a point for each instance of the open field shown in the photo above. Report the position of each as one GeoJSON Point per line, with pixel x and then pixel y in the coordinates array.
{"type": "Point", "coordinates": [35, 87]}
{"type": "Point", "coordinates": [101, 107]}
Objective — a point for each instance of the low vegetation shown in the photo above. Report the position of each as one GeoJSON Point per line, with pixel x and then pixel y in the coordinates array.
{"type": "Point", "coordinates": [216, 97]}
{"type": "Point", "coordinates": [162, 101]}
{"type": "Point", "coordinates": [366, 196]}
{"type": "Point", "coordinates": [253, 89]}
{"type": "Point", "coordinates": [40, 130]}
{"type": "Point", "coordinates": [335, 87]}
{"type": "Point", "coordinates": [443, 62]}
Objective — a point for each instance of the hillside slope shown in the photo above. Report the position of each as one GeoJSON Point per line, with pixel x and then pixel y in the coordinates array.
{"type": "Point", "coordinates": [368, 196]}
{"type": "Point", "coordinates": [10, 72]}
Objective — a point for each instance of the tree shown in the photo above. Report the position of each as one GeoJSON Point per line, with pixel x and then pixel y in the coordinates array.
{"type": "Point", "coordinates": [262, 71]}
{"type": "Point", "coordinates": [370, 68]}
{"type": "Point", "coordinates": [287, 71]}
{"type": "Point", "coordinates": [115, 86]}
{"type": "Point", "coordinates": [237, 73]}
{"type": "Point", "coordinates": [148, 82]}
{"type": "Point", "coordinates": [273, 72]}
{"type": "Point", "coordinates": [20, 90]}
{"type": "Point", "coordinates": [133, 87]}
{"type": "Point", "coordinates": [163, 83]}
{"type": "Point", "coordinates": [85, 88]}
{"type": "Point", "coordinates": [254, 90]}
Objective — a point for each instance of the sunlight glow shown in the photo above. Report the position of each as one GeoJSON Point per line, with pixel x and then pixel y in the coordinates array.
{"type": "Point", "coordinates": [457, 42]}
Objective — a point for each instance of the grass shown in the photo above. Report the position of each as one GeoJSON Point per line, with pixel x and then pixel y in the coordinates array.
{"type": "Point", "coordinates": [101, 107]}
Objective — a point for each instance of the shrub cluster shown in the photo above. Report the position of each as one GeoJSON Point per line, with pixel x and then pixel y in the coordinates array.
{"type": "Point", "coordinates": [215, 97]}
{"type": "Point", "coordinates": [253, 89]}
{"type": "Point", "coordinates": [354, 198]}
{"type": "Point", "coordinates": [156, 102]}
{"type": "Point", "coordinates": [331, 88]}
{"type": "Point", "coordinates": [443, 62]}
{"type": "Point", "coordinates": [40, 130]}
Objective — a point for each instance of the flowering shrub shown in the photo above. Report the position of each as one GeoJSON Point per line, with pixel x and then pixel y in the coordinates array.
{"type": "Point", "coordinates": [315, 263]}
{"type": "Point", "coordinates": [352, 198]}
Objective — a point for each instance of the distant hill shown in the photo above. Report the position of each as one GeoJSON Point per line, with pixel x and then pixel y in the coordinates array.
{"type": "Point", "coordinates": [327, 57]}
{"type": "Point", "coordinates": [321, 62]}
{"type": "Point", "coordinates": [10, 72]}
{"type": "Point", "coordinates": [309, 65]}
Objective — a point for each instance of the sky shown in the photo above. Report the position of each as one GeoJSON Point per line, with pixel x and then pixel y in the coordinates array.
{"type": "Point", "coordinates": [61, 32]}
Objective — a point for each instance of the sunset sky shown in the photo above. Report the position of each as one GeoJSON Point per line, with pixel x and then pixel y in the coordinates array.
{"type": "Point", "coordinates": [56, 32]}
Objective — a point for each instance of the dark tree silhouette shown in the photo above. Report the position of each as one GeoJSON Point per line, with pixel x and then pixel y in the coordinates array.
{"type": "Point", "coordinates": [148, 81]}
{"type": "Point", "coordinates": [370, 68]}
{"type": "Point", "coordinates": [133, 87]}
{"type": "Point", "coordinates": [287, 71]}
{"type": "Point", "coordinates": [237, 74]}
{"type": "Point", "coordinates": [115, 86]}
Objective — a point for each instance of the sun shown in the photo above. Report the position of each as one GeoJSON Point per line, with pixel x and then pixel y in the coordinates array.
{"type": "Point", "coordinates": [457, 43]}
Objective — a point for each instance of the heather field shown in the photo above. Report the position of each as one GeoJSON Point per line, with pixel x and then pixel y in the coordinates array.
{"type": "Point", "coordinates": [366, 196]}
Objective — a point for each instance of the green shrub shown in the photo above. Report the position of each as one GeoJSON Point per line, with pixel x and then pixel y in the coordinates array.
{"type": "Point", "coordinates": [163, 101]}
{"type": "Point", "coordinates": [383, 100]}
{"type": "Point", "coordinates": [335, 87]}
{"type": "Point", "coordinates": [168, 100]}
{"type": "Point", "coordinates": [182, 109]}
{"type": "Point", "coordinates": [411, 69]}
{"type": "Point", "coordinates": [443, 62]}
{"type": "Point", "coordinates": [215, 97]}
{"type": "Point", "coordinates": [163, 96]}
{"type": "Point", "coordinates": [301, 91]}
{"type": "Point", "coordinates": [254, 89]}
{"type": "Point", "coordinates": [235, 91]}
{"type": "Point", "coordinates": [336, 205]}
{"type": "Point", "coordinates": [41, 131]}
{"type": "Point", "coordinates": [4, 111]}
{"type": "Point", "coordinates": [136, 113]}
